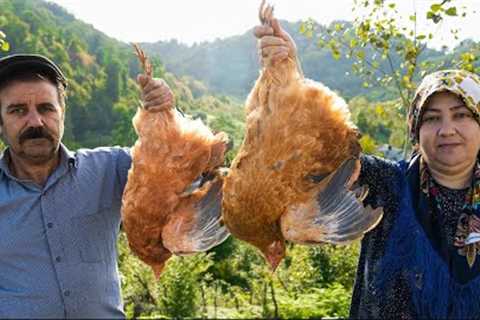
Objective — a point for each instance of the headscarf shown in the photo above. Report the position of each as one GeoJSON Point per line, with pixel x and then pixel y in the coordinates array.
{"type": "Point", "coordinates": [467, 86]}
{"type": "Point", "coordinates": [463, 83]}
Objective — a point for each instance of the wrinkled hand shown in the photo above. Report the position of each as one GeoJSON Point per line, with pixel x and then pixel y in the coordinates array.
{"type": "Point", "coordinates": [274, 43]}
{"type": "Point", "coordinates": [156, 94]}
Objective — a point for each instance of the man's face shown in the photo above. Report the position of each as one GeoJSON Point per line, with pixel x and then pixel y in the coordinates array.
{"type": "Point", "coordinates": [33, 120]}
{"type": "Point", "coordinates": [449, 134]}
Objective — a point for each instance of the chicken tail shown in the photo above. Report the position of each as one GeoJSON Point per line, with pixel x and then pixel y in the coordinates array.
{"type": "Point", "coordinates": [197, 225]}
{"type": "Point", "coordinates": [335, 214]}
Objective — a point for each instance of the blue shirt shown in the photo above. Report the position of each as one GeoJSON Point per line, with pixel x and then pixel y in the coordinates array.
{"type": "Point", "coordinates": [58, 255]}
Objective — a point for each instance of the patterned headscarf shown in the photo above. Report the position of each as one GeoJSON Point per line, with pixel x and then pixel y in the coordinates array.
{"type": "Point", "coordinates": [463, 83]}
{"type": "Point", "coordinates": [467, 86]}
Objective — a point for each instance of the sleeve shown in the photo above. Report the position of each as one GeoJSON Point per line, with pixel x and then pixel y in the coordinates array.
{"type": "Point", "coordinates": [382, 177]}
{"type": "Point", "coordinates": [377, 173]}
{"type": "Point", "coordinates": [123, 162]}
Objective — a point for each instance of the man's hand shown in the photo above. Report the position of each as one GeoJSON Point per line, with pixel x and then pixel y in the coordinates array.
{"type": "Point", "coordinates": [274, 43]}
{"type": "Point", "coordinates": [156, 94]}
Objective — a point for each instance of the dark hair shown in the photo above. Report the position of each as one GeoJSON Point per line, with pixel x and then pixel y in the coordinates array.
{"type": "Point", "coordinates": [28, 76]}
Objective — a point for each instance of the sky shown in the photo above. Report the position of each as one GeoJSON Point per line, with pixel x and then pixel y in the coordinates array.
{"type": "Point", "coordinates": [191, 21]}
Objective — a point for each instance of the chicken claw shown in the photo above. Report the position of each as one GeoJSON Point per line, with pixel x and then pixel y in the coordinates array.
{"type": "Point", "coordinates": [269, 14]}
{"type": "Point", "coordinates": [265, 14]}
{"type": "Point", "coordinates": [261, 15]}
{"type": "Point", "coordinates": [146, 65]}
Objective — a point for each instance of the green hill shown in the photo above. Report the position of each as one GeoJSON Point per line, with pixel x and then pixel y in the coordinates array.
{"type": "Point", "coordinates": [230, 66]}
{"type": "Point", "coordinates": [102, 94]}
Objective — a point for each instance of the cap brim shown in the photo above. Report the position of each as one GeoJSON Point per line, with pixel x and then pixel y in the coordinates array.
{"type": "Point", "coordinates": [18, 63]}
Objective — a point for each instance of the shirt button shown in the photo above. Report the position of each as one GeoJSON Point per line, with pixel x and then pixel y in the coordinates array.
{"type": "Point", "coordinates": [66, 293]}
{"type": "Point", "coordinates": [50, 225]}
{"type": "Point", "coordinates": [58, 259]}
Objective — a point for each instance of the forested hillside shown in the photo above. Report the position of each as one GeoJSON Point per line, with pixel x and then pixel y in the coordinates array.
{"type": "Point", "coordinates": [230, 65]}
{"type": "Point", "coordinates": [102, 93]}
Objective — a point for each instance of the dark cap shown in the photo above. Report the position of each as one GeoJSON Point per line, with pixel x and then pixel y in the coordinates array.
{"type": "Point", "coordinates": [35, 63]}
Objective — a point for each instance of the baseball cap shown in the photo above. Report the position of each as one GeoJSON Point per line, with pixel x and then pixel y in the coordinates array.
{"type": "Point", "coordinates": [35, 63]}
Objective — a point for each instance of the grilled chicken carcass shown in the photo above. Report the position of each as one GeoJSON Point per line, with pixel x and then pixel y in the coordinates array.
{"type": "Point", "coordinates": [166, 207]}
{"type": "Point", "coordinates": [293, 175]}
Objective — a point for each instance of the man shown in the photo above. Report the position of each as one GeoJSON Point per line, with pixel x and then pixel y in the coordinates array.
{"type": "Point", "coordinates": [59, 210]}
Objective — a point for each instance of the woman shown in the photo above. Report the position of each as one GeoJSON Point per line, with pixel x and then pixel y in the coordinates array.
{"type": "Point", "coordinates": [421, 260]}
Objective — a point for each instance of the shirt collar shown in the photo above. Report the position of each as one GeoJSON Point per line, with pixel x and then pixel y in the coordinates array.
{"type": "Point", "coordinates": [67, 158]}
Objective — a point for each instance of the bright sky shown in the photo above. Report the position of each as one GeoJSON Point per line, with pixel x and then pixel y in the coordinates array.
{"type": "Point", "coordinates": [192, 21]}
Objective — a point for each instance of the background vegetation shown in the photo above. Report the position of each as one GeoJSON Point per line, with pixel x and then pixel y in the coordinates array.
{"type": "Point", "coordinates": [372, 62]}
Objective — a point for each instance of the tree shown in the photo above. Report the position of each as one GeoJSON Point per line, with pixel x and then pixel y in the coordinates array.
{"type": "Point", "coordinates": [386, 54]}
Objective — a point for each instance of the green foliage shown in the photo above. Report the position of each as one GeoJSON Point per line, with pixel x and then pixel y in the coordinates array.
{"type": "Point", "coordinates": [233, 281]}
{"type": "Point", "coordinates": [4, 45]}
{"type": "Point", "coordinates": [180, 287]}
{"type": "Point", "coordinates": [385, 54]}
{"type": "Point", "coordinates": [102, 93]}
{"type": "Point", "coordinates": [333, 301]}
{"type": "Point", "coordinates": [336, 264]}
{"type": "Point", "coordinates": [137, 281]}
{"type": "Point", "coordinates": [380, 123]}
{"type": "Point", "coordinates": [176, 294]}
{"type": "Point", "coordinates": [230, 66]}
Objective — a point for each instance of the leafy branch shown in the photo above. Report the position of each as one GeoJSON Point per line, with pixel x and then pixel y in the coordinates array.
{"type": "Point", "coordinates": [4, 45]}
{"type": "Point", "coordinates": [386, 51]}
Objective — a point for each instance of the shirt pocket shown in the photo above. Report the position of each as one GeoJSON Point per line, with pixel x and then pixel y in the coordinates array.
{"type": "Point", "coordinates": [90, 237]}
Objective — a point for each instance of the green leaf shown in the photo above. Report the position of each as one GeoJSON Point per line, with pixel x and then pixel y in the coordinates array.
{"type": "Point", "coordinates": [5, 46]}
{"type": "Point", "coordinates": [421, 37]}
{"type": "Point", "coordinates": [336, 55]}
{"type": "Point", "coordinates": [413, 18]}
{"type": "Point", "coordinates": [436, 7]}
{"type": "Point", "coordinates": [451, 11]}
{"type": "Point", "coordinates": [321, 43]}
{"type": "Point", "coordinates": [302, 28]}
{"type": "Point", "coordinates": [360, 55]}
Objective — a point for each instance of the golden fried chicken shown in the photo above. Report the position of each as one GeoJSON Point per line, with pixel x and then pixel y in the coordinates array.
{"type": "Point", "coordinates": [292, 177]}
{"type": "Point", "coordinates": [166, 207]}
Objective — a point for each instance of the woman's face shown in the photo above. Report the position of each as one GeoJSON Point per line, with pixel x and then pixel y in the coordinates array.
{"type": "Point", "coordinates": [449, 134]}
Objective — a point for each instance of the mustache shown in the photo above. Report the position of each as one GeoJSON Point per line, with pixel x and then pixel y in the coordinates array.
{"type": "Point", "coordinates": [35, 133]}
